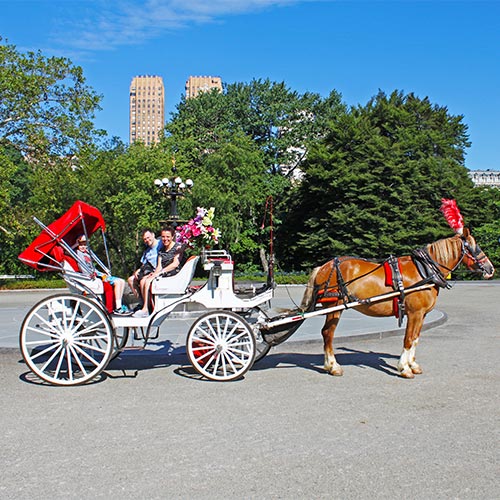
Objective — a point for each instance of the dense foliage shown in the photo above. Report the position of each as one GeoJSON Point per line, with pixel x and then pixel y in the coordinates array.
{"type": "Point", "coordinates": [374, 183]}
{"type": "Point", "coordinates": [371, 176]}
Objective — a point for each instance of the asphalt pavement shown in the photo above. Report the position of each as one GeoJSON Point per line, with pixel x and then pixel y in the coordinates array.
{"type": "Point", "coordinates": [150, 428]}
{"type": "Point", "coordinates": [14, 305]}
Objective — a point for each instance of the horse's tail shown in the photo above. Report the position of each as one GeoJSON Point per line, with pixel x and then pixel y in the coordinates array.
{"type": "Point", "coordinates": [309, 295]}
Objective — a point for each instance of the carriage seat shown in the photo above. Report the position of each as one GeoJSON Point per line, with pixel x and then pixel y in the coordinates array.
{"type": "Point", "coordinates": [177, 284]}
{"type": "Point", "coordinates": [71, 269]}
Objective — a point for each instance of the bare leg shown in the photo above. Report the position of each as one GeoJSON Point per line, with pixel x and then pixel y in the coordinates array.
{"type": "Point", "coordinates": [145, 286]}
{"type": "Point", "coordinates": [132, 283]}
{"type": "Point", "coordinates": [118, 288]}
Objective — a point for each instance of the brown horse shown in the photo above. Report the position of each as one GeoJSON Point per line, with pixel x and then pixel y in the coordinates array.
{"type": "Point", "coordinates": [349, 279]}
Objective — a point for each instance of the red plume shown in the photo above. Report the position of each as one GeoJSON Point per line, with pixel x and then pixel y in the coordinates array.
{"type": "Point", "coordinates": [452, 215]}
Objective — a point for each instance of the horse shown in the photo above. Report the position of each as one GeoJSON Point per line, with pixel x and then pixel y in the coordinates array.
{"type": "Point", "coordinates": [348, 279]}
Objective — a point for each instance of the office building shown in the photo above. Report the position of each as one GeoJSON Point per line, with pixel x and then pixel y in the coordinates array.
{"type": "Point", "coordinates": [147, 109]}
{"type": "Point", "coordinates": [198, 84]}
{"type": "Point", "coordinates": [485, 178]}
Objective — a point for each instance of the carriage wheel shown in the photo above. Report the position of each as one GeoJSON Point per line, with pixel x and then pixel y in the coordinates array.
{"type": "Point", "coordinates": [261, 346]}
{"type": "Point", "coordinates": [221, 346]}
{"type": "Point", "coordinates": [66, 339]}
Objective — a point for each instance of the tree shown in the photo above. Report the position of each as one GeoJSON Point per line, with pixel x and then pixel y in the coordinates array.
{"type": "Point", "coordinates": [373, 185]}
{"type": "Point", "coordinates": [232, 127]}
{"type": "Point", "coordinates": [46, 107]}
{"type": "Point", "coordinates": [234, 181]}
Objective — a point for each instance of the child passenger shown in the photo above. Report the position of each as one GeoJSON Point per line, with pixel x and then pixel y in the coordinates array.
{"type": "Point", "coordinates": [118, 284]}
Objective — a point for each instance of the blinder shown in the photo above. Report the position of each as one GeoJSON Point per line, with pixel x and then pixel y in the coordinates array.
{"type": "Point", "coordinates": [475, 254]}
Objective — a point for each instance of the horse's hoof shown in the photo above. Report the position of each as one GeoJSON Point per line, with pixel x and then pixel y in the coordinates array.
{"type": "Point", "coordinates": [407, 374]}
{"type": "Point", "coordinates": [416, 370]}
{"type": "Point", "coordinates": [336, 372]}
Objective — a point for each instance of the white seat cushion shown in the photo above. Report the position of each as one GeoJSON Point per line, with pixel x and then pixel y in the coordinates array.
{"type": "Point", "coordinates": [177, 284]}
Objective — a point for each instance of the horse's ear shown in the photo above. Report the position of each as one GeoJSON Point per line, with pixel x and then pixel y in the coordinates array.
{"type": "Point", "coordinates": [466, 232]}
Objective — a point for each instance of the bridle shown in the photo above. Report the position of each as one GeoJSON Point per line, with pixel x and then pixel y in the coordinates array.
{"type": "Point", "coordinates": [475, 254]}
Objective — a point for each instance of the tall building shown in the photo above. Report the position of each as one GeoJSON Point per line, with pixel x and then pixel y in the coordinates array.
{"type": "Point", "coordinates": [147, 109]}
{"type": "Point", "coordinates": [198, 84]}
{"type": "Point", "coordinates": [484, 178]}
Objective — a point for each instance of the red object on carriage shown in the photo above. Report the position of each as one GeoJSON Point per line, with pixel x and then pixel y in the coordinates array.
{"type": "Point", "coordinates": [44, 252]}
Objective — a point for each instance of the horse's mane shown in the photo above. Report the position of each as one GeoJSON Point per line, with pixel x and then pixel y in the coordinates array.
{"type": "Point", "coordinates": [445, 249]}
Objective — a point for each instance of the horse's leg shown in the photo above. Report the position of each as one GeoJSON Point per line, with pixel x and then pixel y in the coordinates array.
{"type": "Point", "coordinates": [328, 332]}
{"type": "Point", "coordinates": [407, 365]}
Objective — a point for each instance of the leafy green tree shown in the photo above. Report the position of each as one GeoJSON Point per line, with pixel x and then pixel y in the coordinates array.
{"type": "Point", "coordinates": [234, 181]}
{"type": "Point", "coordinates": [278, 124]}
{"type": "Point", "coordinates": [119, 180]}
{"type": "Point", "coordinates": [11, 164]}
{"type": "Point", "coordinates": [373, 185]}
{"type": "Point", "coordinates": [46, 107]}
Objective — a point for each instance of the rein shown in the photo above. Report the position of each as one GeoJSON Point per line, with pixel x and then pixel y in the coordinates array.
{"type": "Point", "coordinates": [435, 269]}
{"type": "Point", "coordinates": [430, 270]}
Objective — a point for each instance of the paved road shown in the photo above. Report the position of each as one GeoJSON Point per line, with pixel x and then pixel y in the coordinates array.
{"type": "Point", "coordinates": [15, 305]}
{"type": "Point", "coordinates": [150, 428]}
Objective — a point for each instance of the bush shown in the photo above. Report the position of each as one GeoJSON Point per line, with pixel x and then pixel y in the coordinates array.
{"type": "Point", "coordinates": [31, 284]}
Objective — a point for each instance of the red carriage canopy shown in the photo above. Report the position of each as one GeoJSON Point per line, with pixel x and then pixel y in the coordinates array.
{"type": "Point", "coordinates": [81, 218]}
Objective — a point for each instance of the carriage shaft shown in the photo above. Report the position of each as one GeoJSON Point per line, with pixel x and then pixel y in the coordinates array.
{"type": "Point", "coordinates": [321, 312]}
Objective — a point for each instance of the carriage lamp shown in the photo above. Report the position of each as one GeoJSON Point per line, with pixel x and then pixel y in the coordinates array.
{"type": "Point", "coordinates": [173, 188]}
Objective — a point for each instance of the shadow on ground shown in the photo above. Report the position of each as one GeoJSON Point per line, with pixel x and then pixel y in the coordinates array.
{"type": "Point", "coordinates": [131, 362]}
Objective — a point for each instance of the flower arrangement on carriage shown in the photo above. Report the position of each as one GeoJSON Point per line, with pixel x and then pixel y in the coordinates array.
{"type": "Point", "coordinates": [199, 233]}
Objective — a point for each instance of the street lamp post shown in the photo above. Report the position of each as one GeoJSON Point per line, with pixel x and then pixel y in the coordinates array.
{"type": "Point", "coordinates": [174, 188]}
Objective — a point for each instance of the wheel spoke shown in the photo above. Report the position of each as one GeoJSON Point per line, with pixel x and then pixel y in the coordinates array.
{"type": "Point", "coordinates": [85, 354]}
{"type": "Point", "coordinates": [58, 351]}
{"type": "Point", "coordinates": [77, 359]}
{"type": "Point", "coordinates": [46, 350]}
{"type": "Point", "coordinates": [59, 362]}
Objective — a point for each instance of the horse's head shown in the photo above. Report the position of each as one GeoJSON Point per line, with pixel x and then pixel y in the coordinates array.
{"type": "Point", "coordinates": [474, 258]}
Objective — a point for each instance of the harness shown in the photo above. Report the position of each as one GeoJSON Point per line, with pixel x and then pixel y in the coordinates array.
{"type": "Point", "coordinates": [394, 278]}
{"type": "Point", "coordinates": [429, 269]}
{"type": "Point", "coordinates": [332, 294]}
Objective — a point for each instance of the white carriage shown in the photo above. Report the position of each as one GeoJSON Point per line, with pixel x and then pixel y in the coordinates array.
{"type": "Point", "coordinates": [69, 338]}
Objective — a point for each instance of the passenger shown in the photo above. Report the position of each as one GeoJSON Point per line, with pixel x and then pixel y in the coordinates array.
{"type": "Point", "coordinates": [168, 264]}
{"type": "Point", "coordinates": [86, 265]}
{"type": "Point", "coordinates": [149, 260]}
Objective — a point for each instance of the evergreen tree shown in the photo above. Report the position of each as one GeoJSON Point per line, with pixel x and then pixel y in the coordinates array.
{"type": "Point", "coordinates": [373, 185]}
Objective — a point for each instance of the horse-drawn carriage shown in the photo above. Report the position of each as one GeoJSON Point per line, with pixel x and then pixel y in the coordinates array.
{"type": "Point", "coordinates": [69, 338]}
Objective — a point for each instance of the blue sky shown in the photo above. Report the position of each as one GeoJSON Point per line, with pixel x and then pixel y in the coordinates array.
{"type": "Point", "coordinates": [446, 50]}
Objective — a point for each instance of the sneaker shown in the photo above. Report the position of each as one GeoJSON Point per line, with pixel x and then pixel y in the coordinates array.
{"type": "Point", "coordinates": [140, 314]}
{"type": "Point", "coordinates": [122, 311]}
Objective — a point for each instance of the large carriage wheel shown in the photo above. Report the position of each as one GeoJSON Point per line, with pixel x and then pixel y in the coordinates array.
{"type": "Point", "coordinates": [221, 346]}
{"type": "Point", "coordinates": [66, 339]}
